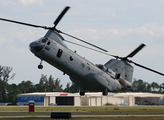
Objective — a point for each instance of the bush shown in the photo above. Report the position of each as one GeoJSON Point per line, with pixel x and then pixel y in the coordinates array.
{"type": "Point", "coordinates": [108, 104]}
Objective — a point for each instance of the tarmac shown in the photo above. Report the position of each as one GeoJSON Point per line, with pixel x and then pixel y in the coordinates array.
{"type": "Point", "coordinates": [162, 115]}
{"type": "Point", "coordinates": [85, 116]}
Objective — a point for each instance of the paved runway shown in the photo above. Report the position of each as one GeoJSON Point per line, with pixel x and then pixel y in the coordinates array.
{"type": "Point", "coordinates": [85, 116]}
{"type": "Point", "coordinates": [117, 115]}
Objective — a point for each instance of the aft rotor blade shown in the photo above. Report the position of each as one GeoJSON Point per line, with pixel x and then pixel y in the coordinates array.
{"type": "Point", "coordinates": [61, 16]}
{"type": "Point", "coordinates": [83, 41]}
{"type": "Point", "coordinates": [136, 50]}
{"type": "Point", "coordinates": [22, 23]}
{"type": "Point", "coordinates": [146, 68]}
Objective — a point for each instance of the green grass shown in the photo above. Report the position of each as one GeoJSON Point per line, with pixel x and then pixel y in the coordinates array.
{"type": "Point", "coordinates": [105, 110]}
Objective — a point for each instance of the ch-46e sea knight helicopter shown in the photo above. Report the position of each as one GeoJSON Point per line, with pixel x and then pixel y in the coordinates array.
{"type": "Point", "coordinates": [114, 75]}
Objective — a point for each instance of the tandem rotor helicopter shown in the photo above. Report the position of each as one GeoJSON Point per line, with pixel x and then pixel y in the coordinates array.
{"type": "Point", "coordinates": [114, 75]}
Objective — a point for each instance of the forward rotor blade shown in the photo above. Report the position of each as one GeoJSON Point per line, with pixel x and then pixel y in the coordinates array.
{"type": "Point", "coordinates": [136, 50]}
{"type": "Point", "coordinates": [61, 16]}
{"type": "Point", "coordinates": [22, 23]}
{"type": "Point", "coordinates": [92, 49]}
{"type": "Point", "coordinates": [146, 68]}
{"type": "Point", "coordinates": [83, 41]}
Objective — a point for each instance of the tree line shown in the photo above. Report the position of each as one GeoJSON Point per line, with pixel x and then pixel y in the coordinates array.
{"type": "Point", "coordinates": [142, 86]}
{"type": "Point", "coordinates": [9, 92]}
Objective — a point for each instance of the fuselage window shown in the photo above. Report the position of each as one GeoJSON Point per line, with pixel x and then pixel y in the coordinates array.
{"type": "Point", "coordinates": [59, 54]}
{"type": "Point", "coordinates": [48, 43]}
{"type": "Point", "coordinates": [71, 58]}
{"type": "Point", "coordinates": [82, 64]}
{"type": "Point", "coordinates": [88, 68]}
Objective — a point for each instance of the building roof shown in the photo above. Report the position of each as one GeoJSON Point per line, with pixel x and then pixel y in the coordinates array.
{"type": "Point", "coordinates": [135, 94]}
{"type": "Point", "coordinates": [50, 94]}
{"type": "Point", "coordinates": [139, 94]}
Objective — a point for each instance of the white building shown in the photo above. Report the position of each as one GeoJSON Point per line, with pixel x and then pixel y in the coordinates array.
{"type": "Point", "coordinates": [90, 99]}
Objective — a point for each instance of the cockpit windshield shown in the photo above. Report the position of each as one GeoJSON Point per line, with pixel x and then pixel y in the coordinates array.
{"type": "Point", "coordinates": [44, 40]}
{"type": "Point", "coordinates": [51, 34]}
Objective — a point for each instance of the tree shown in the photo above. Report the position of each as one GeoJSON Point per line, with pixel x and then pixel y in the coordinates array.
{"type": "Point", "coordinates": [13, 91]}
{"type": "Point", "coordinates": [4, 78]}
{"type": "Point", "coordinates": [58, 86]}
{"type": "Point", "coordinates": [67, 89]}
{"type": "Point", "coordinates": [139, 86]}
{"type": "Point", "coordinates": [148, 89]}
{"type": "Point", "coordinates": [155, 86]}
{"type": "Point", "coordinates": [43, 80]}
{"type": "Point", "coordinates": [162, 87]}
{"type": "Point", "coordinates": [43, 84]}
{"type": "Point", "coordinates": [74, 88]}
{"type": "Point", "coordinates": [25, 86]}
{"type": "Point", "coordinates": [49, 85]}
{"type": "Point", "coordinates": [5, 73]}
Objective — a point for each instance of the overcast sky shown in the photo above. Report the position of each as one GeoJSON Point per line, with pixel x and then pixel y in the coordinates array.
{"type": "Point", "coordinates": [117, 26]}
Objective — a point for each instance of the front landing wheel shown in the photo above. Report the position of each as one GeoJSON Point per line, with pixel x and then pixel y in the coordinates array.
{"type": "Point", "coordinates": [40, 66]}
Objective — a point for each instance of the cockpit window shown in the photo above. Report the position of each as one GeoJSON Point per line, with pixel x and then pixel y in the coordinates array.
{"type": "Point", "coordinates": [44, 40]}
{"type": "Point", "coordinates": [52, 35]}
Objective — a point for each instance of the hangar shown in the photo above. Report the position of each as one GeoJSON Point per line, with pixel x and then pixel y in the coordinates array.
{"type": "Point", "coordinates": [90, 99]}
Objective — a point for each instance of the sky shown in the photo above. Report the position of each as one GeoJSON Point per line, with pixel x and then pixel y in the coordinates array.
{"type": "Point", "coordinates": [117, 26]}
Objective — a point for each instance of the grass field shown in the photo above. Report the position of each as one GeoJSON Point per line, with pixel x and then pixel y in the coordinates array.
{"type": "Point", "coordinates": [105, 110]}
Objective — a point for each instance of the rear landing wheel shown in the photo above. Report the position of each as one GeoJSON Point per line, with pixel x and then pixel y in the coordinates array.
{"type": "Point", "coordinates": [82, 93]}
{"type": "Point", "coordinates": [105, 93]}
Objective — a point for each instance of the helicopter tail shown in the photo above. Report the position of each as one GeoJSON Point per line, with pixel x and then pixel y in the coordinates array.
{"type": "Point", "coordinates": [122, 68]}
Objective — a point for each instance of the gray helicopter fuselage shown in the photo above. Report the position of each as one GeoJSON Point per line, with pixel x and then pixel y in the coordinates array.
{"type": "Point", "coordinates": [85, 74]}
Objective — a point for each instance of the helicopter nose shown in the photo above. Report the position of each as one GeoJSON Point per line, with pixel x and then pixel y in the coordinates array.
{"type": "Point", "coordinates": [36, 46]}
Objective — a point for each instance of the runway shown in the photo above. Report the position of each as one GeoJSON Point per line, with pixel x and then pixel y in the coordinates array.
{"type": "Point", "coordinates": [76, 116]}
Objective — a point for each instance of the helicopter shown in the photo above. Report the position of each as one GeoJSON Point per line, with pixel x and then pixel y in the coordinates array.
{"type": "Point", "coordinates": [114, 75]}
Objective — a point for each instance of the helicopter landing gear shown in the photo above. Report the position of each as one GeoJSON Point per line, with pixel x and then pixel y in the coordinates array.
{"type": "Point", "coordinates": [40, 66]}
{"type": "Point", "coordinates": [82, 93]}
{"type": "Point", "coordinates": [105, 93]}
